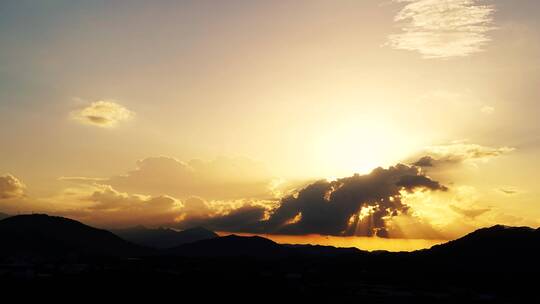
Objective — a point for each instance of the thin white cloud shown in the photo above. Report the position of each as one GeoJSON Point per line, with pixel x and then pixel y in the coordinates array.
{"type": "Point", "coordinates": [103, 113]}
{"type": "Point", "coordinates": [443, 28]}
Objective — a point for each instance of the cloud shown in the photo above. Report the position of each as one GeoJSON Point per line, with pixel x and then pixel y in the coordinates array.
{"type": "Point", "coordinates": [220, 179]}
{"type": "Point", "coordinates": [11, 187]}
{"type": "Point", "coordinates": [456, 153]}
{"type": "Point", "coordinates": [470, 213]}
{"type": "Point", "coordinates": [105, 206]}
{"type": "Point", "coordinates": [508, 191]}
{"type": "Point", "coordinates": [103, 113]}
{"type": "Point", "coordinates": [488, 110]}
{"type": "Point", "coordinates": [245, 218]}
{"type": "Point", "coordinates": [81, 179]}
{"type": "Point", "coordinates": [443, 28]}
{"type": "Point", "coordinates": [356, 205]}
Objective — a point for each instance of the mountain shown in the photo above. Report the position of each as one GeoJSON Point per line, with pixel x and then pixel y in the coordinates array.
{"type": "Point", "coordinates": [502, 247]}
{"type": "Point", "coordinates": [164, 237]}
{"type": "Point", "coordinates": [3, 216]}
{"type": "Point", "coordinates": [230, 246]}
{"type": "Point", "coordinates": [255, 246]}
{"type": "Point", "coordinates": [43, 236]}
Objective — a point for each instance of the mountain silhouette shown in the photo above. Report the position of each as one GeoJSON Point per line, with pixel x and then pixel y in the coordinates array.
{"type": "Point", "coordinates": [40, 235]}
{"type": "Point", "coordinates": [3, 216]}
{"type": "Point", "coordinates": [163, 237]}
{"type": "Point", "coordinates": [255, 246]}
{"type": "Point", "coordinates": [231, 246]}
{"type": "Point", "coordinates": [490, 263]}
{"type": "Point", "coordinates": [499, 246]}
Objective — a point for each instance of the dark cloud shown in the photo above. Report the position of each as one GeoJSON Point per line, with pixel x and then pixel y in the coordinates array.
{"type": "Point", "coordinates": [356, 205]}
{"type": "Point", "coordinates": [419, 181]}
{"type": "Point", "coordinates": [247, 218]}
{"type": "Point", "coordinates": [426, 161]}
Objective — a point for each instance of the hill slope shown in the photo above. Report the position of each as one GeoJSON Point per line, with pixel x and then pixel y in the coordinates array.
{"type": "Point", "coordinates": [494, 248]}
{"type": "Point", "coordinates": [40, 235]}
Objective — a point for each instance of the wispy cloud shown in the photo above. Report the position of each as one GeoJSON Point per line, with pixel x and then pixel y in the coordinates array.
{"type": "Point", "coordinates": [508, 191]}
{"type": "Point", "coordinates": [456, 153]}
{"type": "Point", "coordinates": [103, 113]}
{"type": "Point", "coordinates": [443, 28]}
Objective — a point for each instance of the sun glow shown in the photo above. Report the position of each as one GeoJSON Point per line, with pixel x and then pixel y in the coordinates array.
{"type": "Point", "coordinates": [361, 146]}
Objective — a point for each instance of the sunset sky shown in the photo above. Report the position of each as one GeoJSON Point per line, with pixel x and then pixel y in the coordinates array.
{"type": "Point", "coordinates": [255, 116]}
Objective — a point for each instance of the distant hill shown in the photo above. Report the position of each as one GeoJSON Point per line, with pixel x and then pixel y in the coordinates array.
{"type": "Point", "coordinates": [3, 216]}
{"type": "Point", "coordinates": [254, 246]}
{"type": "Point", "coordinates": [164, 237]}
{"type": "Point", "coordinates": [231, 245]}
{"type": "Point", "coordinates": [40, 235]}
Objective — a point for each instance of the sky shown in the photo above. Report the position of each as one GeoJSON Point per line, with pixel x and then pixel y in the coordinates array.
{"type": "Point", "coordinates": [404, 119]}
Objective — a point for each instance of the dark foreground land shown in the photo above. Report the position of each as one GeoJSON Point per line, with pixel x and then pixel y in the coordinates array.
{"type": "Point", "coordinates": [54, 258]}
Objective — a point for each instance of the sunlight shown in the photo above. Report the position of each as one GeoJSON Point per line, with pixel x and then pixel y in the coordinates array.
{"type": "Point", "coordinates": [297, 218]}
{"type": "Point", "coordinates": [353, 146]}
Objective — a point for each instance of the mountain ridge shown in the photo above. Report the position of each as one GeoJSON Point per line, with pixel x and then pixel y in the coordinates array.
{"type": "Point", "coordinates": [163, 238]}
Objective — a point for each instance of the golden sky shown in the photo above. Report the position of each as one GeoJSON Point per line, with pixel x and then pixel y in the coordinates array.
{"type": "Point", "coordinates": [255, 116]}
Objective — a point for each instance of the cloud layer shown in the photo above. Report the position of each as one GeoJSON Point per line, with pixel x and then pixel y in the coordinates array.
{"type": "Point", "coordinates": [356, 205]}
{"type": "Point", "coordinates": [443, 28]}
{"type": "Point", "coordinates": [11, 187]}
{"type": "Point", "coordinates": [106, 206]}
{"type": "Point", "coordinates": [105, 114]}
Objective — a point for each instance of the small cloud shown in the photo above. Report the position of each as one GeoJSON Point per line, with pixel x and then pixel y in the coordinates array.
{"type": "Point", "coordinates": [470, 213]}
{"type": "Point", "coordinates": [488, 110]}
{"type": "Point", "coordinates": [443, 29]}
{"type": "Point", "coordinates": [508, 191]}
{"type": "Point", "coordinates": [11, 187]}
{"type": "Point", "coordinates": [103, 113]}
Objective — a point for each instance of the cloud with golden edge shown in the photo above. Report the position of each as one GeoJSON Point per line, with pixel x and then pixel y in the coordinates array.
{"type": "Point", "coordinates": [103, 113]}
{"type": "Point", "coordinates": [11, 187]}
{"type": "Point", "coordinates": [105, 206]}
{"type": "Point", "coordinates": [443, 28]}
